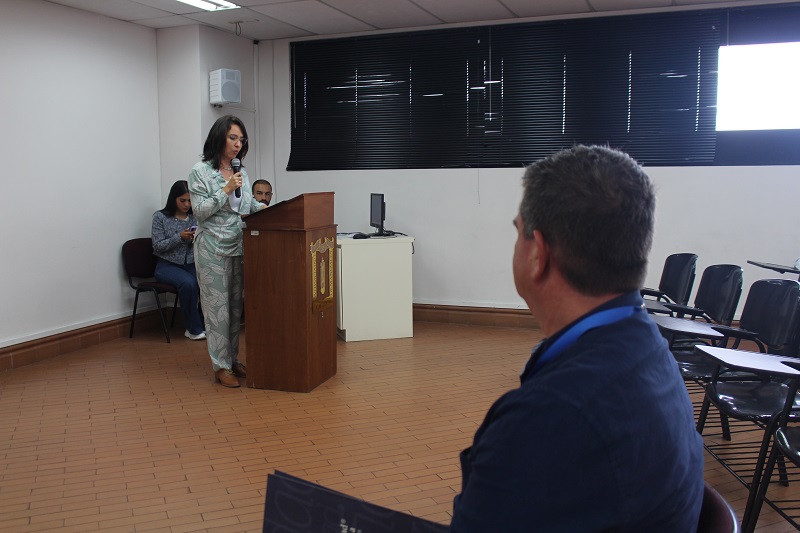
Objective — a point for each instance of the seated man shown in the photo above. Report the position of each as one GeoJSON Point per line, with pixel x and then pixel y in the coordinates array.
{"type": "Point", "coordinates": [262, 191]}
{"type": "Point", "coordinates": [600, 435]}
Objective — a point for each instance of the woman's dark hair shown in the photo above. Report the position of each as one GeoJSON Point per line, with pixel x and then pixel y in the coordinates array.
{"type": "Point", "coordinates": [218, 136]}
{"type": "Point", "coordinates": [179, 188]}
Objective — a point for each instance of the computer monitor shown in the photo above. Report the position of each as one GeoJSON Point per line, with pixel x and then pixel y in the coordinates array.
{"type": "Point", "coordinates": [377, 213]}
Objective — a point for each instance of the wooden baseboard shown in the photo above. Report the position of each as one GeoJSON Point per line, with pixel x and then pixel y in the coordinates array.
{"type": "Point", "coordinates": [26, 353]}
{"type": "Point", "coordinates": [30, 352]}
{"type": "Point", "coordinates": [475, 316]}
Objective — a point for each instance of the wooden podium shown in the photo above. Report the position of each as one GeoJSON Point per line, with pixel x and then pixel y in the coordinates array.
{"type": "Point", "coordinates": [290, 294]}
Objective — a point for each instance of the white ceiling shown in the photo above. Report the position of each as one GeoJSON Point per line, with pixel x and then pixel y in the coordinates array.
{"type": "Point", "coordinates": [280, 19]}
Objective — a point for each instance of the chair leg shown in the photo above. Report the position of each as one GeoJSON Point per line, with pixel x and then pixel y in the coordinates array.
{"type": "Point", "coordinates": [161, 314]}
{"type": "Point", "coordinates": [782, 474]}
{"type": "Point", "coordinates": [760, 493]}
{"type": "Point", "coordinates": [760, 479]}
{"type": "Point", "coordinates": [174, 312]}
{"type": "Point", "coordinates": [701, 417]}
{"type": "Point", "coordinates": [726, 427]}
{"type": "Point", "coordinates": [133, 317]}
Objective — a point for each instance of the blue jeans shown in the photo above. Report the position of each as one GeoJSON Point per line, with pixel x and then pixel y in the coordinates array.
{"type": "Point", "coordinates": [184, 277]}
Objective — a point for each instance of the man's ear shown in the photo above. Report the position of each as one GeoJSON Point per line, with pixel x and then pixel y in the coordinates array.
{"type": "Point", "coordinates": [541, 257]}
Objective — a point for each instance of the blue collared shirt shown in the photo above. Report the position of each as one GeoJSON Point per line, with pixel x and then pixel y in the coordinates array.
{"type": "Point", "coordinates": [600, 438]}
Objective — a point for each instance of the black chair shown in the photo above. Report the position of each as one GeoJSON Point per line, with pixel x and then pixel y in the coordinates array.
{"type": "Point", "coordinates": [770, 319]}
{"type": "Point", "coordinates": [677, 279]}
{"type": "Point", "coordinates": [716, 302]}
{"type": "Point", "coordinates": [717, 295]}
{"type": "Point", "coordinates": [716, 514]}
{"type": "Point", "coordinates": [140, 263]}
{"type": "Point", "coordinates": [774, 298]}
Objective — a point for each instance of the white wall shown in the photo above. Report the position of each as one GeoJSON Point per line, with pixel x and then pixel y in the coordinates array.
{"type": "Point", "coordinates": [179, 101]}
{"type": "Point", "coordinates": [225, 50]}
{"type": "Point", "coordinates": [186, 55]}
{"type": "Point", "coordinates": [80, 149]}
{"type": "Point", "coordinates": [462, 218]}
{"type": "Point", "coordinates": [727, 215]}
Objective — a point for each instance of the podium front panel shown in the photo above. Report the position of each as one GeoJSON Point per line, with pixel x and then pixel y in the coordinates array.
{"type": "Point", "coordinates": [290, 291]}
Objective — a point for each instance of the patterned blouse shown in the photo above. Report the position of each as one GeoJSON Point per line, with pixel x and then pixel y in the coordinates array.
{"type": "Point", "coordinates": [218, 223]}
{"type": "Point", "coordinates": [167, 242]}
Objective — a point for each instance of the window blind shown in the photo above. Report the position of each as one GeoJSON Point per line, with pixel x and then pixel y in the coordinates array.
{"type": "Point", "coordinates": [507, 95]}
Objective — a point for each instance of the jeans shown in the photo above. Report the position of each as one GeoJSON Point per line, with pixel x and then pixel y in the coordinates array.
{"type": "Point", "coordinates": [184, 278]}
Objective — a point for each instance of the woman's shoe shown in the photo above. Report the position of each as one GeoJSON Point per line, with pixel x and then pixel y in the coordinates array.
{"type": "Point", "coordinates": [199, 337]}
{"type": "Point", "coordinates": [226, 378]}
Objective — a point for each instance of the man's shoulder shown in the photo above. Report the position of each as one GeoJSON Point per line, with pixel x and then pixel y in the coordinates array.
{"type": "Point", "coordinates": [624, 362]}
{"type": "Point", "coordinates": [615, 349]}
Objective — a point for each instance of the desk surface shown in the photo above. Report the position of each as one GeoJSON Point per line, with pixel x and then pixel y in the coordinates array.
{"type": "Point", "coordinates": [686, 327]}
{"type": "Point", "coordinates": [783, 269]}
{"type": "Point", "coordinates": [654, 306]}
{"type": "Point", "coordinates": [760, 363]}
{"type": "Point", "coordinates": [348, 240]}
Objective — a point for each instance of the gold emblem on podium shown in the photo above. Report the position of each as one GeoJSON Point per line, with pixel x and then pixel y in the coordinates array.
{"type": "Point", "coordinates": [322, 251]}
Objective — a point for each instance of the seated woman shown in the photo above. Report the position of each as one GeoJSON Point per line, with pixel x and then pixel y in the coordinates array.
{"type": "Point", "coordinates": [173, 234]}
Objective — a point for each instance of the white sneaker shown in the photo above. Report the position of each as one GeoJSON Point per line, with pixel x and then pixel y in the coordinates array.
{"type": "Point", "coordinates": [199, 337]}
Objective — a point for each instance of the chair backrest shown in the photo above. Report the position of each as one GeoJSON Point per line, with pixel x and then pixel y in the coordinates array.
{"type": "Point", "coordinates": [716, 514]}
{"type": "Point", "coordinates": [719, 292]}
{"type": "Point", "coordinates": [771, 311]}
{"type": "Point", "coordinates": [677, 277]}
{"type": "Point", "coordinates": [138, 258]}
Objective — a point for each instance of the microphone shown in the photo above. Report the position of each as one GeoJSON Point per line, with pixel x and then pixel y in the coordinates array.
{"type": "Point", "coordinates": [236, 165]}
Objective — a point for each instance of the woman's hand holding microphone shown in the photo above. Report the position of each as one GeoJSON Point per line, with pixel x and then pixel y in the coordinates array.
{"type": "Point", "coordinates": [234, 183]}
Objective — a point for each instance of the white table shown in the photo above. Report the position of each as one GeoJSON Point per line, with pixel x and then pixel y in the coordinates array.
{"type": "Point", "coordinates": [375, 293]}
{"type": "Point", "coordinates": [683, 326]}
{"type": "Point", "coordinates": [759, 363]}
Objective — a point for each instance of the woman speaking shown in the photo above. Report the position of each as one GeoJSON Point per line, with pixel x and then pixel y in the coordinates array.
{"type": "Point", "coordinates": [220, 196]}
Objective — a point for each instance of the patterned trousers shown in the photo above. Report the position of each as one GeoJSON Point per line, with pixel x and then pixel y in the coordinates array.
{"type": "Point", "coordinates": [221, 280]}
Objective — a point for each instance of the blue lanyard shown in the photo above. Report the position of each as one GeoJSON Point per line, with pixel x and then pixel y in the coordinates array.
{"type": "Point", "coordinates": [603, 318]}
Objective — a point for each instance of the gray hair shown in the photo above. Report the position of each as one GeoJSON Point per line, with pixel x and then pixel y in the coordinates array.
{"type": "Point", "coordinates": [595, 206]}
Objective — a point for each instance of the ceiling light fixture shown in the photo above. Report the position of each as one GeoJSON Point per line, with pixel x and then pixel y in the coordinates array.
{"type": "Point", "coordinates": [210, 5]}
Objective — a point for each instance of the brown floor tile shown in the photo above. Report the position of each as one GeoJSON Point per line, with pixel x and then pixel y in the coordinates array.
{"type": "Point", "coordinates": [134, 435]}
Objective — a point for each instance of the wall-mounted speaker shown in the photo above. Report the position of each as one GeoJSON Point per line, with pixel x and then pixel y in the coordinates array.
{"type": "Point", "coordinates": [225, 86]}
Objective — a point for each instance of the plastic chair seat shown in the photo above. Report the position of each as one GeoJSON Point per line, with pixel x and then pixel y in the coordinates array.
{"type": "Point", "coordinates": [699, 368]}
{"type": "Point", "coordinates": [160, 287]}
{"type": "Point", "coordinates": [756, 401]}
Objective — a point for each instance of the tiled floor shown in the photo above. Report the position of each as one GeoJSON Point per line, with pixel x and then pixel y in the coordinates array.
{"type": "Point", "coordinates": [133, 435]}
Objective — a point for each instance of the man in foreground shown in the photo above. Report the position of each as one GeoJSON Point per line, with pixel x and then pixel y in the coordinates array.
{"type": "Point", "coordinates": [600, 434]}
